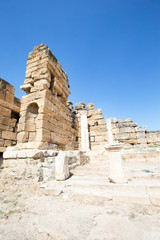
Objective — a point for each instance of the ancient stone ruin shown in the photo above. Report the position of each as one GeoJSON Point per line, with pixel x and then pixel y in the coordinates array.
{"type": "Point", "coordinates": [36, 129]}
{"type": "Point", "coordinates": [9, 117]}
{"type": "Point", "coordinates": [46, 118]}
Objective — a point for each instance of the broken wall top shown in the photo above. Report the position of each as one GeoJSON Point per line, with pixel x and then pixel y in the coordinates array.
{"type": "Point", "coordinates": [7, 94]}
{"type": "Point", "coordinates": [45, 72]}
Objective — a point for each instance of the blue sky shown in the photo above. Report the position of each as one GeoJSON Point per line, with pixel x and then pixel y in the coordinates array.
{"type": "Point", "coordinates": [110, 50]}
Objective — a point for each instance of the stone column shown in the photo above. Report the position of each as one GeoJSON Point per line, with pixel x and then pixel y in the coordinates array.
{"type": "Point", "coordinates": [109, 128]}
{"type": "Point", "coordinates": [84, 131]}
{"type": "Point", "coordinates": [116, 174]}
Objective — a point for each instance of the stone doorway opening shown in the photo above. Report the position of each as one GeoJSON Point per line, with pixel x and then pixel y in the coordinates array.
{"type": "Point", "coordinates": [32, 114]}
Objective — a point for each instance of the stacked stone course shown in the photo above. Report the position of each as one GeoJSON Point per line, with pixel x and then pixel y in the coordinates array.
{"type": "Point", "coordinates": [46, 118]}
{"type": "Point", "coordinates": [129, 133]}
{"type": "Point", "coordinates": [48, 123]}
{"type": "Point", "coordinates": [9, 108]}
{"type": "Point", "coordinates": [97, 128]}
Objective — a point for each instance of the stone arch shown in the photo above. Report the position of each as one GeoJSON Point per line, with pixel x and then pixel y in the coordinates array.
{"type": "Point", "coordinates": [31, 120]}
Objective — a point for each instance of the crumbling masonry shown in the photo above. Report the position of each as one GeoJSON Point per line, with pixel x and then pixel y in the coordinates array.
{"type": "Point", "coordinates": [47, 121]}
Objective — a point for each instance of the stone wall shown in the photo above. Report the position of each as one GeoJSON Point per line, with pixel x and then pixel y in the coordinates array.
{"type": "Point", "coordinates": [129, 133]}
{"type": "Point", "coordinates": [9, 108]}
{"type": "Point", "coordinates": [47, 119]}
{"type": "Point", "coordinates": [35, 164]}
{"type": "Point", "coordinates": [121, 130]}
{"type": "Point", "coordinates": [97, 128]}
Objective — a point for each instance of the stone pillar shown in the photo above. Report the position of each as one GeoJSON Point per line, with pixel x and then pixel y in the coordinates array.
{"type": "Point", "coordinates": [116, 174]}
{"type": "Point", "coordinates": [109, 128]}
{"type": "Point", "coordinates": [84, 131]}
{"type": "Point", "coordinates": [61, 167]}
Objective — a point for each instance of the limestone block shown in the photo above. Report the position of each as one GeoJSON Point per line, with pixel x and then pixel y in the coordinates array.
{"type": "Point", "coordinates": [132, 141]}
{"type": "Point", "coordinates": [7, 143]}
{"type": "Point", "coordinates": [133, 135]}
{"type": "Point", "coordinates": [10, 97]}
{"type": "Point", "coordinates": [102, 122]}
{"type": "Point", "coordinates": [26, 88]}
{"type": "Point", "coordinates": [12, 122]}
{"type": "Point", "coordinates": [58, 138]}
{"type": "Point", "coordinates": [22, 137]}
{"type": "Point", "coordinates": [42, 84]}
{"type": "Point", "coordinates": [151, 137]}
{"type": "Point", "coordinates": [32, 136]}
{"type": "Point", "coordinates": [35, 154]}
{"type": "Point", "coordinates": [140, 134]}
{"type": "Point", "coordinates": [1, 142]}
{"type": "Point", "coordinates": [10, 155]}
{"type": "Point", "coordinates": [61, 166]}
{"type": "Point", "coordinates": [126, 129]}
{"type": "Point", "coordinates": [97, 117]}
{"type": "Point", "coordinates": [6, 128]}
{"type": "Point", "coordinates": [141, 140]}
{"type": "Point", "coordinates": [28, 80]}
{"type": "Point", "coordinates": [115, 130]}
{"type": "Point", "coordinates": [140, 129]}
{"type": "Point", "coordinates": [5, 112]}
{"type": "Point", "coordinates": [21, 127]}
{"type": "Point", "coordinates": [31, 120]}
{"type": "Point", "coordinates": [43, 135]}
{"type": "Point", "coordinates": [99, 138]}
{"type": "Point", "coordinates": [28, 98]}
{"type": "Point", "coordinates": [97, 133]}
{"type": "Point", "coordinates": [31, 127]}
{"type": "Point", "coordinates": [2, 149]}
{"type": "Point", "coordinates": [116, 174]}
{"type": "Point", "coordinates": [125, 120]}
{"type": "Point", "coordinates": [40, 94]}
{"type": "Point", "coordinates": [22, 154]}
{"type": "Point", "coordinates": [9, 135]}
{"type": "Point", "coordinates": [80, 106]}
{"type": "Point", "coordinates": [122, 136]}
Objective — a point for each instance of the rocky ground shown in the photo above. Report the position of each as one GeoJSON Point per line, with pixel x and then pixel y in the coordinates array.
{"type": "Point", "coordinates": [30, 212]}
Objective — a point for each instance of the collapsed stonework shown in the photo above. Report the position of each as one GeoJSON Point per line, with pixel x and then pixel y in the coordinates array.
{"type": "Point", "coordinates": [10, 108]}
{"type": "Point", "coordinates": [49, 123]}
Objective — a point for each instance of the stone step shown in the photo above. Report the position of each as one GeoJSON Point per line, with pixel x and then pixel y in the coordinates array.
{"type": "Point", "coordinates": [99, 187]}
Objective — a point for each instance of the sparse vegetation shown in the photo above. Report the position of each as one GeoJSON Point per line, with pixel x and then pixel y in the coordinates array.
{"type": "Point", "coordinates": [123, 158]}
{"type": "Point", "coordinates": [132, 216]}
{"type": "Point", "coordinates": [112, 212]}
{"type": "Point", "coordinates": [153, 146]}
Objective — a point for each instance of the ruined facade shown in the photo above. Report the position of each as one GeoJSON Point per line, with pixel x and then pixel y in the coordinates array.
{"type": "Point", "coordinates": [9, 108]}
{"type": "Point", "coordinates": [48, 120]}
{"type": "Point", "coordinates": [129, 133]}
{"type": "Point", "coordinates": [48, 123]}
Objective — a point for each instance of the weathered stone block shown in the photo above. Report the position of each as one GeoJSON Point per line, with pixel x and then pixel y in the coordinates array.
{"type": "Point", "coordinates": [5, 112]}
{"type": "Point", "coordinates": [9, 97]}
{"type": "Point", "coordinates": [31, 127]}
{"type": "Point", "coordinates": [126, 129]}
{"type": "Point", "coordinates": [1, 142]}
{"type": "Point", "coordinates": [7, 143]}
{"type": "Point", "coordinates": [122, 136]}
{"type": "Point", "coordinates": [9, 135]}
{"type": "Point", "coordinates": [61, 166]}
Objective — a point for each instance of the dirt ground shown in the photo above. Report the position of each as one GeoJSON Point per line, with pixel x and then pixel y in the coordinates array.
{"type": "Point", "coordinates": [27, 212]}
